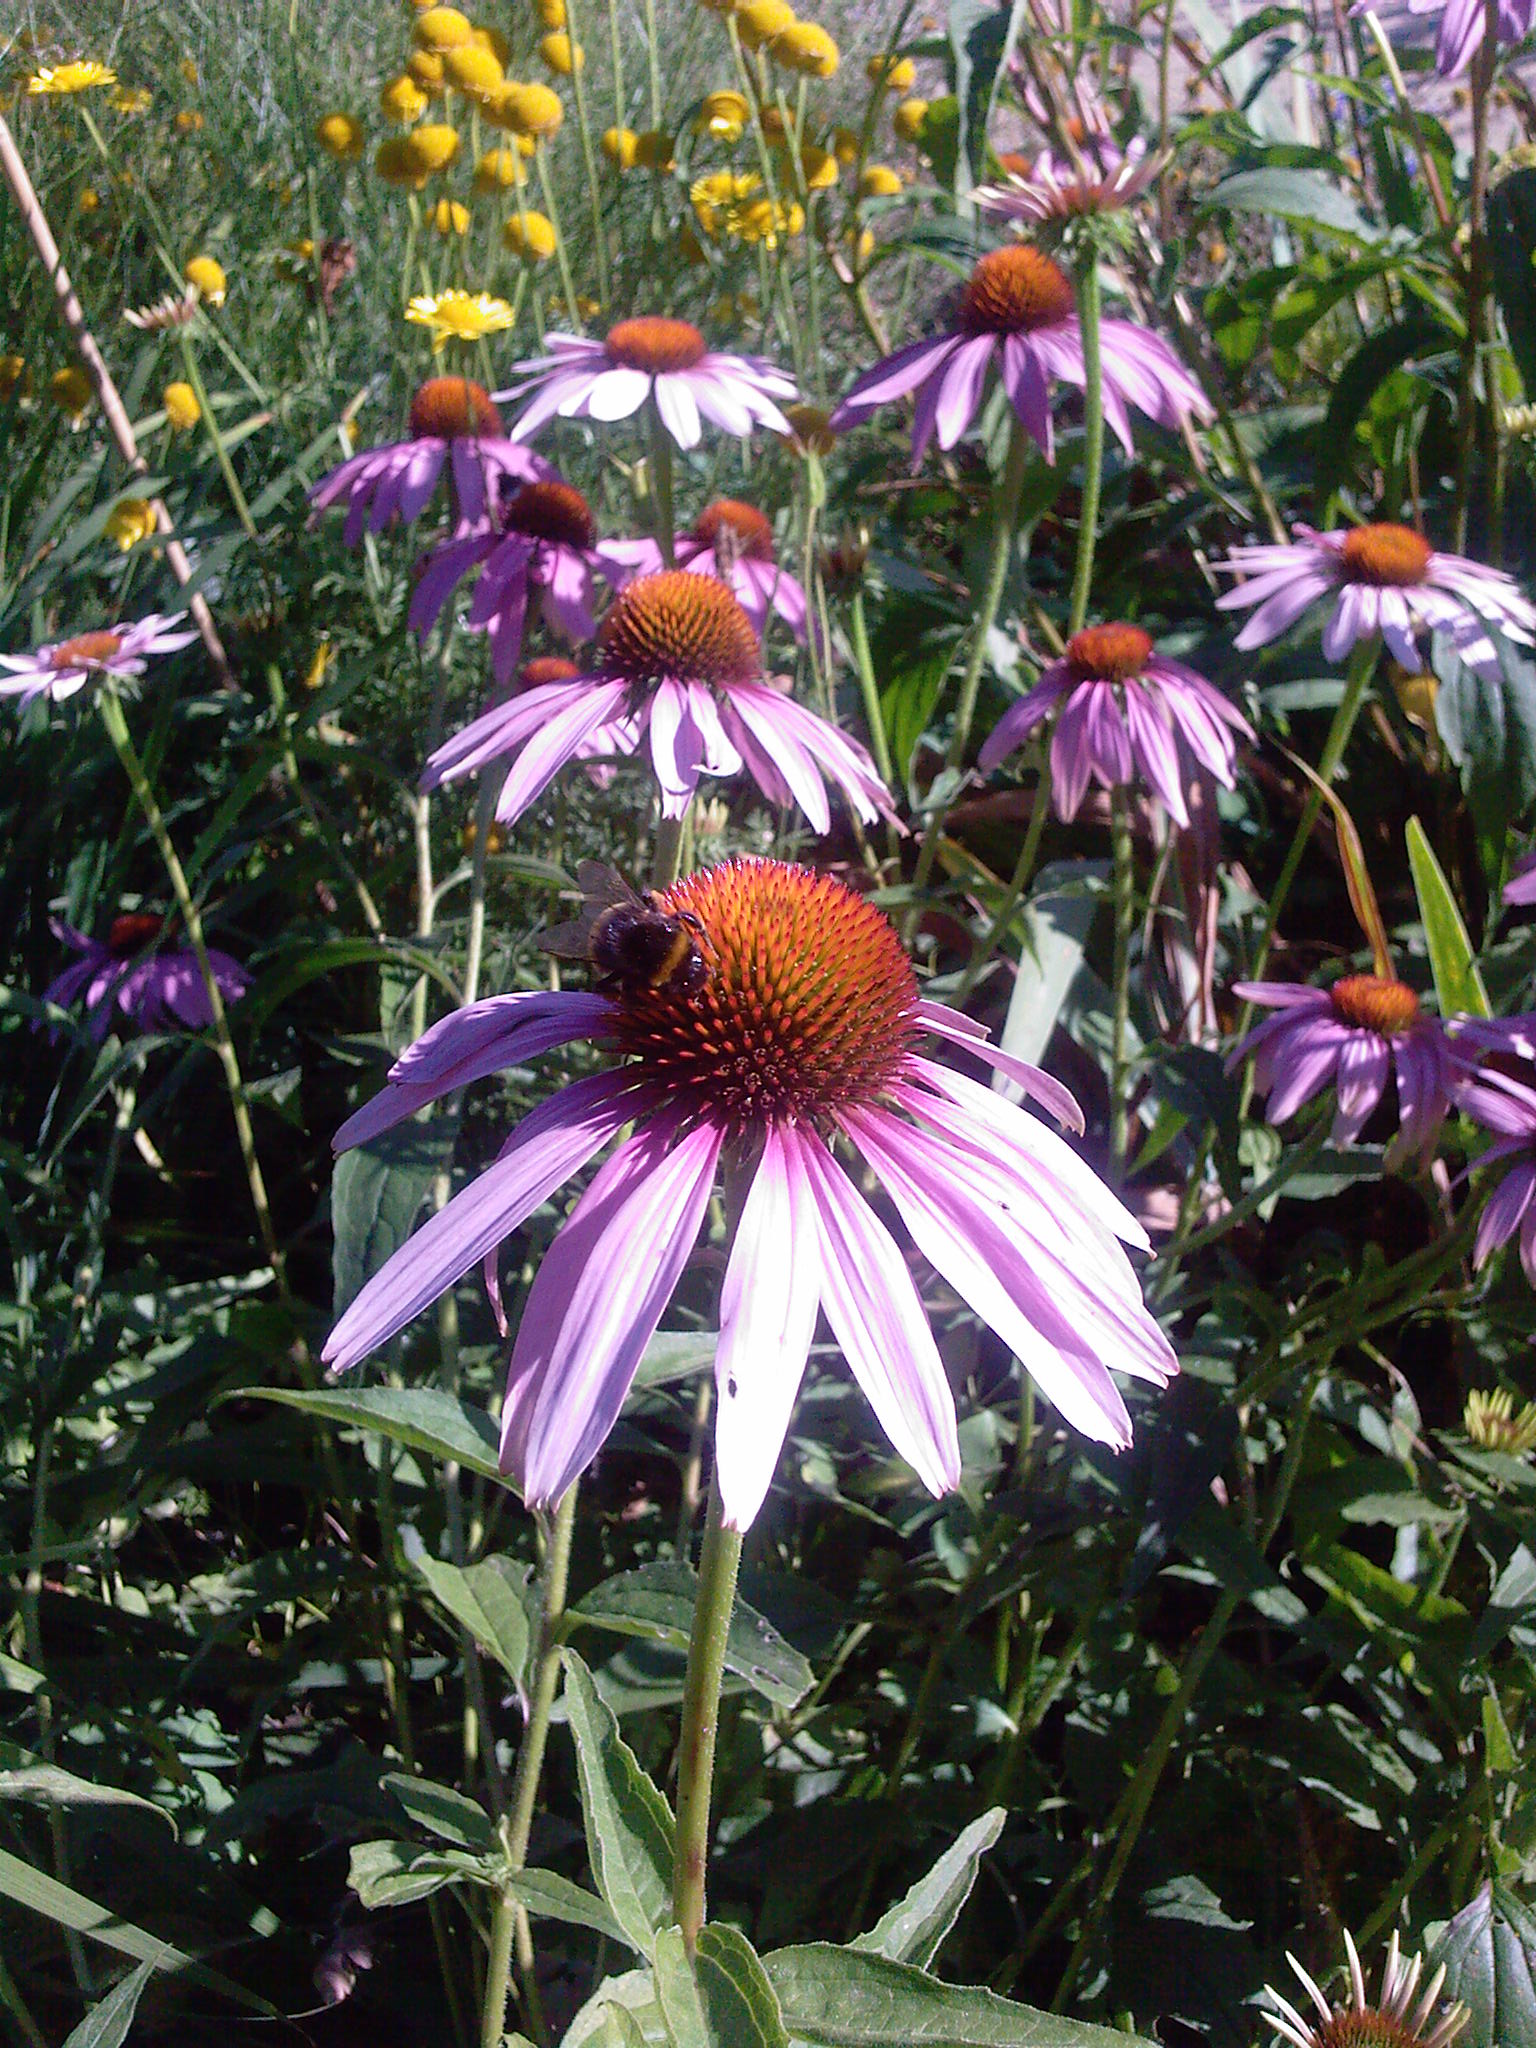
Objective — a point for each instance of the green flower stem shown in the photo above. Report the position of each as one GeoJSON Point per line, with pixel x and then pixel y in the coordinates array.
{"type": "Point", "coordinates": [1362, 663]}
{"type": "Point", "coordinates": [567, 280]}
{"type": "Point", "coordinates": [1018, 881]}
{"type": "Point", "coordinates": [117, 732]}
{"type": "Point", "coordinates": [1005, 512]}
{"type": "Point", "coordinates": [616, 57]}
{"type": "Point", "coordinates": [869, 688]}
{"type": "Point", "coordinates": [667, 853]}
{"type": "Point", "coordinates": [589, 160]}
{"type": "Point", "coordinates": [1088, 309]}
{"type": "Point", "coordinates": [653, 62]}
{"type": "Point", "coordinates": [509, 1920]}
{"type": "Point", "coordinates": [1123, 852]}
{"type": "Point", "coordinates": [718, 1565]}
{"type": "Point", "coordinates": [661, 481]}
{"type": "Point", "coordinates": [474, 943]}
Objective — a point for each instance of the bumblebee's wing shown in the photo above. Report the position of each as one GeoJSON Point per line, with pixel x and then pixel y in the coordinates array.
{"type": "Point", "coordinates": [601, 888]}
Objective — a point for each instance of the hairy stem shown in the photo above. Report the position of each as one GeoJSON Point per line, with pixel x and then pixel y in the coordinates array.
{"type": "Point", "coordinates": [1088, 310]}
{"type": "Point", "coordinates": [718, 1564]}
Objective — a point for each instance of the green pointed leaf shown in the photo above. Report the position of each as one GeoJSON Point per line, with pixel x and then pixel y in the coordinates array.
{"type": "Point", "coordinates": [548, 1896]}
{"type": "Point", "coordinates": [724, 2000]}
{"type": "Point", "coordinates": [629, 1824]}
{"type": "Point", "coordinates": [106, 2024]}
{"type": "Point", "coordinates": [40, 1893]}
{"type": "Point", "coordinates": [1297, 194]}
{"type": "Point", "coordinates": [1513, 1597]}
{"type": "Point", "coordinates": [491, 1600]}
{"type": "Point", "coordinates": [621, 2013]}
{"type": "Point", "coordinates": [445, 1812]}
{"type": "Point", "coordinates": [397, 1873]}
{"type": "Point", "coordinates": [656, 1602]}
{"type": "Point", "coordinates": [914, 1927]}
{"type": "Point", "coordinates": [376, 1191]}
{"type": "Point", "coordinates": [1489, 1953]}
{"type": "Point", "coordinates": [843, 1998]}
{"type": "Point", "coordinates": [49, 1785]}
{"type": "Point", "coordinates": [1458, 984]}
{"type": "Point", "coordinates": [421, 1418]}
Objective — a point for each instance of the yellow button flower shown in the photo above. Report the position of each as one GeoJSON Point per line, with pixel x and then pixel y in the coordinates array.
{"type": "Point", "coordinates": [808, 49]}
{"type": "Point", "coordinates": [442, 28]}
{"type": "Point", "coordinates": [561, 54]}
{"type": "Point", "coordinates": [879, 182]}
{"type": "Point", "coordinates": [493, 40]}
{"type": "Point", "coordinates": [819, 167]}
{"type": "Point", "coordinates": [71, 391]}
{"type": "Point", "coordinates": [402, 100]}
{"type": "Point", "coordinates": [760, 21]}
{"type": "Point", "coordinates": [845, 147]}
{"type": "Point", "coordinates": [723, 115]}
{"type": "Point", "coordinates": [531, 236]}
{"type": "Point", "coordinates": [473, 70]}
{"type": "Point", "coordinates": [908, 119]}
{"type": "Point", "coordinates": [655, 150]}
{"type": "Point", "coordinates": [619, 145]}
{"type": "Point", "coordinates": [181, 407]}
{"type": "Point", "coordinates": [340, 136]}
{"type": "Point", "coordinates": [451, 217]}
{"type": "Point", "coordinates": [529, 109]}
{"type": "Point", "coordinates": [208, 277]}
{"type": "Point", "coordinates": [499, 170]}
{"type": "Point", "coordinates": [460, 316]}
{"type": "Point", "coordinates": [129, 522]}
{"type": "Point", "coordinates": [431, 149]}
{"type": "Point", "coordinates": [13, 377]}
{"type": "Point", "coordinates": [79, 76]}
{"type": "Point", "coordinates": [425, 69]}
{"type": "Point", "coordinates": [550, 14]}
{"type": "Point", "coordinates": [894, 74]}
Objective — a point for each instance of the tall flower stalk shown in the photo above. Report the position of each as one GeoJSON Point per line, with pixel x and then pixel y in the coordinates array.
{"type": "Point", "coordinates": [719, 1561]}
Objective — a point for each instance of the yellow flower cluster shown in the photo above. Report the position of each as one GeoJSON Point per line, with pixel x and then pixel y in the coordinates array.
{"type": "Point", "coordinates": [732, 204]}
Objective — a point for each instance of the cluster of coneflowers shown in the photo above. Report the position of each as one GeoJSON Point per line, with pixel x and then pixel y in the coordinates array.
{"type": "Point", "coordinates": [803, 1031]}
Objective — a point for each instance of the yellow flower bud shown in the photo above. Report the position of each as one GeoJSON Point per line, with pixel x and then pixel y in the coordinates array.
{"type": "Point", "coordinates": [879, 182]}
{"type": "Point", "coordinates": [402, 100]}
{"type": "Point", "coordinates": [620, 146]}
{"type": "Point", "coordinates": [129, 522]}
{"type": "Point", "coordinates": [530, 236]}
{"type": "Point", "coordinates": [892, 74]}
{"type": "Point", "coordinates": [908, 120]}
{"type": "Point", "coordinates": [451, 217]}
{"type": "Point", "coordinates": [550, 13]}
{"type": "Point", "coordinates": [208, 276]}
{"type": "Point", "coordinates": [425, 68]}
{"type": "Point", "coordinates": [561, 54]}
{"type": "Point", "coordinates": [340, 136]}
{"type": "Point", "coordinates": [499, 170]}
{"type": "Point", "coordinates": [431, 149]}
{"type": "Point", "coordinates": [760, 21]}
{"type": "Point", "coordinates": [723, 115]}
{"type": "Point", "coordinates": [181, 407]}
{"type": "Point", "coordinates": [808, 49]}
{"type": "Point", "coordinates": [845, 147]}
{"type": "Point", "coordinates": [473, 71]}
{"type": "Point", "coordinates": [529, 109]}
{"type": "Point", "coordinates": [442, 28]}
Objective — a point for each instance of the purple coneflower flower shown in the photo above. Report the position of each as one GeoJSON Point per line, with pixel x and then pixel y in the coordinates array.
{"type": "Point", "coordinates": [734, 542]}
{"type": "Point", "coordinates": [1127, 709]}
{"type": "Point", "coordinates": [156, 992]}
{"type": "Point", "coordinates": [60, 669]}
{"type": "Point", "coordinates": [1386, 579]}
{"type": "Point", "coordinates": [1355, 1034]}
{"type": "Point", "coordinates": [1019, 302]}
{"type": "Point", "coordinates": [650, 357]}
{"type": "Point", "coordinates": [453, 423]}
{"type": "Point", "coordinates": [1054, 187]}
{"type": "Point", "coordinates": [541, 546]}
{"type": "Point", "coordinates": [805, 1029]}
{"type": "Point", "coordinates": [678, 657]}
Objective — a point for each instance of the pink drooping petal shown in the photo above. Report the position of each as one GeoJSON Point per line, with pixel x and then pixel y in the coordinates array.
{"type": "Point", "coordinates": [1040, 1086]}
{"type": "Point", "coordinates": [768, 1307]}
{"type": "Point", "coordinates": [559, 741]}
{"type": "Point", "coordinates": [597, 1298]}
{"type": "Point", "coordinates": [500, 730]}
{"type": "Point", "coordinates": [879, 1320]}
{"type": "Point", "coordinates": [1364, 1064]}
{"type": "Point", "coordinates": [1029, 391]}
{"type": "Point", "coordinates": [1293, 1068]}
{"type": "Point", "coordinates": [893, 378]}
{"type": "Point", "coordinates": [677, 746]}
{"type": "Point", "coordinates": [679, 411]}
{"type": "Point", "coordinates": [550, 1144]}
{"type": "Point", "coordinates": [1505, 1211]}
{"type": "Point", "coordinates": [1018, 722]}
{"type": "Point", "coordinates": [961, 1237]}
{"type": "Point", "coordinates": [754, 713]}
{"type": "Point", "coordinates": [481, 1039]}
{"type": "Point", "coordinates": [1155, 748]}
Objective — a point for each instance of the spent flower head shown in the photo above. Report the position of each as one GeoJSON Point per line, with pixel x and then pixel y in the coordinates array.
{"type": "Point", "coordinates": [1493, 1424]}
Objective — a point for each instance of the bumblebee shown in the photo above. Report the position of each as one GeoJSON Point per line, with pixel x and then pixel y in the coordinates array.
{"type": "Point", "coordinates": [628, 938]}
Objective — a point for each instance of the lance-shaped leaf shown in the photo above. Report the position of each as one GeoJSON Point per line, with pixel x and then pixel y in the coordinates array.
{"type": "Point", "coordinates": [491, 1600]}
{"type": "Point", "coordinates": [422, 1418]}
{"type": "Point", "coordinates": [106, 2024]}
{"type": "Point", "coordinates": [724, 2000]}
{"type": "Point", "coordinates": [1458, 984]}
{"type": "Point", "coordinates": [656, 1602]}
{"type": "Point", "coordinates": [629, 1824]}
{"type": "Point", "coordinates": [914, 1927]}
{"type": "Point", "coordinates": [1489, 1953]}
